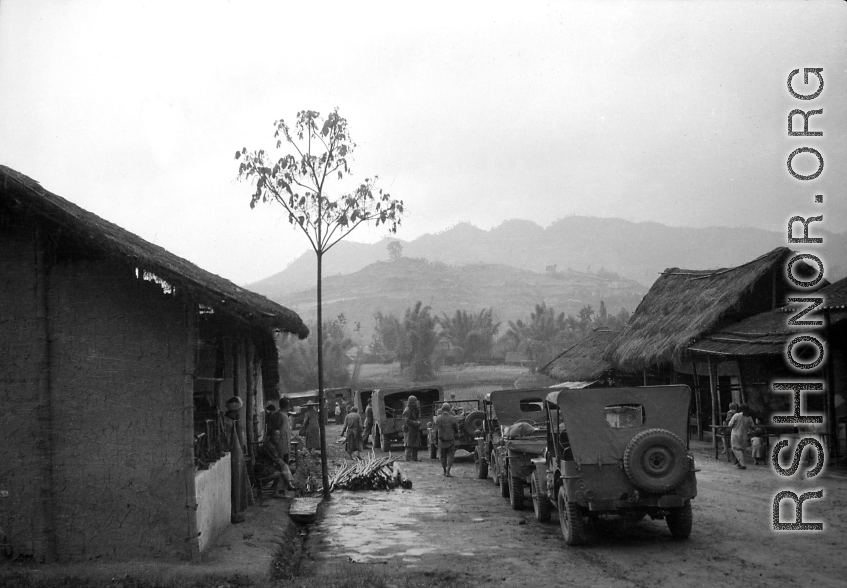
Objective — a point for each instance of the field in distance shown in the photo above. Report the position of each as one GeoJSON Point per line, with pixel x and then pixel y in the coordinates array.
{"type": "Point", "coordinates": [467, 382]}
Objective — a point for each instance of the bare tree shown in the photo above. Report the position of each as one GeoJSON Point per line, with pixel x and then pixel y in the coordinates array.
{"type": "Point", "coordinates": [317, 149]}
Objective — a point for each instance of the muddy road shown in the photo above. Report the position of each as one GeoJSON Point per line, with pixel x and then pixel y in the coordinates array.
{"type": "Point", "coordinates": [461, 528]}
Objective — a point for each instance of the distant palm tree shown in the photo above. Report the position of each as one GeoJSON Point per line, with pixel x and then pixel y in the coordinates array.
{"type": "Point", "coordinates": [471, 334]}
{"type": "Point", "coordinates": [541, 335]}
{"type": "Point", "coordinates": [419, 341]}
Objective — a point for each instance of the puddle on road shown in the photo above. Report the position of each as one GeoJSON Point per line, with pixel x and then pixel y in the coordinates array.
{"type": "Point", "coordinates": [371, 525]}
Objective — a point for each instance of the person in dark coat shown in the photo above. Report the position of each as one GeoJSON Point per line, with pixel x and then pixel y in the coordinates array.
{"type": "Point", "coordinates": [279, 421]}
{"type": "Point", "coordinates": [310, 430]}
{"type": "Point", "coordinates": [369, 422]}
{"type": "Point", "coordinates": [446, 430]}
{"type": "Point", "coordinates": [352, 433]}
{"type": "Point", "coordinates": [271, 466]}
{"type": "Point", "coordinates": [235, 445]}
{"type": "Point", "coordinates": [412, 429]}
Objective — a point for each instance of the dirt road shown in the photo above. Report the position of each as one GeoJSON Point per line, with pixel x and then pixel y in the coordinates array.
{"type": "Point", "coordinates": [461, 528]}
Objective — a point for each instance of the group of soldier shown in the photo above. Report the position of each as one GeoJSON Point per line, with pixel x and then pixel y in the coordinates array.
{"type": "Point", "coordinates": [445, 429]}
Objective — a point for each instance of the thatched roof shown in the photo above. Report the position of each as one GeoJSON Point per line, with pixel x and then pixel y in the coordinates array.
{"type": "Point", "coordinates": [683, 305]}
{"type": "Point", "coordinates": [768, 333]}
{"type": "Point", "coordinates": [763, 334]}
{"type": "Point", "coordinates": [835, 295]}
{"type": "Point", "coordinates": [583, 361]}
{"type": "Point", "coordinates": [24, 197]}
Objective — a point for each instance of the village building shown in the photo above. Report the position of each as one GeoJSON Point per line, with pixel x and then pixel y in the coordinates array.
{"type": "Point", "coordinates": [582, 365]}
{"type": "Point", "coordinates": [755, 349]}
{"type": "Point", "coordinates": [116, 358]}
{"type": "Point", "coordinates": [681, 308]}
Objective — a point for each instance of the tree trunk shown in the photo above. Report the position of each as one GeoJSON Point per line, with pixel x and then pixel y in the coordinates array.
{"type": "Point", "coordinates": [322, 407]}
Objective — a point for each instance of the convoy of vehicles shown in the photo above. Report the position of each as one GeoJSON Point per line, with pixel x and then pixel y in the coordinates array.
{"type": "Point", "coordinates": [587, 453]}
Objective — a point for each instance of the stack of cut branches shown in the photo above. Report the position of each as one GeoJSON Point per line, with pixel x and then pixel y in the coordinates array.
{"type": "Point", "coordinates": [370, 473]}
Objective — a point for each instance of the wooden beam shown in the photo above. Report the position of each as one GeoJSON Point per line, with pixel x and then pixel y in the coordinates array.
{"type": "Point", "coordinates": [716, 409]}
{"type": "Point", "coordinates": [829, 373]}
{"type": "Point", "coordinates": [192, 541]}
{"type": "Point", "coordinates": [697, 400]}
{"type": "Point", "coordinates": [250, 400]}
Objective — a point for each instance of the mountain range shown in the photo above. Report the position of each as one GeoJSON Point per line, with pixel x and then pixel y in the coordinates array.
{"type": "Point", "coordinates": [511, 267]}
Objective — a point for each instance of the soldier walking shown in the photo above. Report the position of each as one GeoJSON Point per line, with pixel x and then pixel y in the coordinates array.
{"type": "Point", "coordinates": [446, 429]}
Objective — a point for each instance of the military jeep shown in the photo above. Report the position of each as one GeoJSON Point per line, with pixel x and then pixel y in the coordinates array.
{"type": "Point", "coordinates": [388, 405]}
{"type": "Point", "coordinates": [513, 433]}
{"type": "Point", "coordinates": [470, 421]}
{"type": "Point", "coordinates": [616, 451]}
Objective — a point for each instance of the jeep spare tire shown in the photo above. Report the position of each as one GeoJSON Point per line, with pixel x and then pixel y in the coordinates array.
{"type": "Point", "coordinates": [473, 422]}
{"type": "Point", "coordinates": [655, 460]}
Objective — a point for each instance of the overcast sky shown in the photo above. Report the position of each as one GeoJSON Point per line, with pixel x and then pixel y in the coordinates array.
{"type": "Point", "coordinates": [669, 111]}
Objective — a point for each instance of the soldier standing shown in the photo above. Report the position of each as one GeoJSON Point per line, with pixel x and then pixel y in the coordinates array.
{"type": "Point", "coordinates": [412, 429]}
{"type": "Point", "coordinates": [369, 422]}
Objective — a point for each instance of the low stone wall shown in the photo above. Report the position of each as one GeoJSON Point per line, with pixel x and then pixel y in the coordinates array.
{"type": "Point", "coordinates": [213, 490]}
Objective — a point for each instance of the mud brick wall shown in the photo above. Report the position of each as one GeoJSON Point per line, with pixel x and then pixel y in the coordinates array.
{"type": "Point", "coordinates": [118, 361]}
{"type": "Point", "coordinates": [21, 344]}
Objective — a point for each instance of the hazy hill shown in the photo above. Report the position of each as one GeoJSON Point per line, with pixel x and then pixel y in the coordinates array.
{"type": "Point", "coordinates": [393, 286]}
{"type": "Point", "coordinates": [638, 251]}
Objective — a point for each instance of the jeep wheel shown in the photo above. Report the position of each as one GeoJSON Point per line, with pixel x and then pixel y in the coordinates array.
{"type": "Point", "coordinates": [571, 520]}
{"type": "Point", "coordinates": [386, 443]}
{"type": "Point", "coordinates": [504, 481]}
{"type": "Point", "coordinates": [680, 521]}
{"type": "Point", "coordinates": [495, 473]}
{"type": "Point", "coordinates": [473, 422]}
{"type": "Point", "coordinates": [655, 460]}
{"type": "Point", "coordinates": [516, 493]}
{"type": "Point", "coordinates": [480, 465]}
{"type": "Point", "coordinates": [433, 451]}
{"type": "Point", "coordinates": [540, 503]}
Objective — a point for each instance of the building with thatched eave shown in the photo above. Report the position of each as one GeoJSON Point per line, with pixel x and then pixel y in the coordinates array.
{"type": "Point", "coordinates": [682, 306]}
{"type": "Point", "coordinates": [582, 364]}
{"type": "Point", "coordinates": [755, 349]}
{"type": "Point", "coordinates": [116, 358]}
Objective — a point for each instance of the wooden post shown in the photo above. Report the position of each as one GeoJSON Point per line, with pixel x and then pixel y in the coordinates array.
{"type": "Point", "coordinates": [741, 395]}
{"type": "Point", "coordinates": [192, 541]}
{"type": "Point", "coordinates": [250, 401]}
{"type": "Point", "coordinates": [829, 373]}
{"type": "Point", "coordinates": [697, 400]}
{"type": "Point", "coordinates": [716, 409]}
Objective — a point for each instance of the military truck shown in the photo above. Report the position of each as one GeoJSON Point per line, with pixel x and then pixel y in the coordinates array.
{"type": "Point", "coordinates": [297, 402]}
{"type": "Point", "coordinates": [388, 406]}
{"type": "Point", "coordinates": [514, 434]}
{"type": "Point", "coordinates": [616, 451]}
{"type": "Point", "coordinates": [470, 419]}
